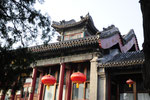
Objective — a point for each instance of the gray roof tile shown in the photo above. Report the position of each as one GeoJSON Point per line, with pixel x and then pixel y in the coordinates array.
{"type": "Point", "coordinates": [125, 59]}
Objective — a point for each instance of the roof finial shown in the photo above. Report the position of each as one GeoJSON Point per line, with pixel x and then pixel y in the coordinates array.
{"type": "Point", "coordinates": [88, 14]}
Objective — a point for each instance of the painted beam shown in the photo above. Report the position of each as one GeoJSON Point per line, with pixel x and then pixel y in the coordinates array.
{"type": "Point", "coordinates": [65, 59]}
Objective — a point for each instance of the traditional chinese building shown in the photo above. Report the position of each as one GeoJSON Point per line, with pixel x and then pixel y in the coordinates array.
{"type": "Point", "coordinates": [118, 70]}
{"type": "Point", "coordinates": [107, 58]}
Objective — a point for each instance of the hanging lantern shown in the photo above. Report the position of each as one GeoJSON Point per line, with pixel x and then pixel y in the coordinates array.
{"type": "Point", "coordinates": [78, 78]}
{"type": "Point", "coordinates": [130, 82]}
{"type": "Point", "coordinates": [48, 80]}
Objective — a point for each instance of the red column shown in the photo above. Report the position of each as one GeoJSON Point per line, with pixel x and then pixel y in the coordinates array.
{"type": "Point", "coordinates": [3, 97]}
{"type": "Point", "coordinates": [68, 85]}
{"type": "Point", "coordinates": [118, 96]}
{"type": "Point", "coordinates": [33, 83]}
{"type": "Point", "coordinates": [61, 81]}
{"type": "Point", "coordinates": [41, 88]}
{"type": "Point", "coordinates": [12, 95]}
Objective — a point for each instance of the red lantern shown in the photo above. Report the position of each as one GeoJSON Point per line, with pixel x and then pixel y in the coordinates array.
{"type": "Point", "coordinates": [48, 80]}
{"type": "Point", "coordinates": [78, 78]}
{"type": "Point", "coordinates": [129, 81]}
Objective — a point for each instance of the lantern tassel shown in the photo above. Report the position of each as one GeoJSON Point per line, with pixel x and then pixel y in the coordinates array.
{"type": "Point", "coordinates": [47, 87]}
{"type": "Point", "coordinates": [77, 85]}
{"type": "Point", "coordinates": [129, 85]}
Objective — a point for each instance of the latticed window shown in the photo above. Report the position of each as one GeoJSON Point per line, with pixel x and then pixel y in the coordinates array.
{"type": "Point", "coordinates": [52, 92]}
{"type": "Point", "coordinates": [73, 36]}
{"type": "Point", "coordinates": [83, 91]}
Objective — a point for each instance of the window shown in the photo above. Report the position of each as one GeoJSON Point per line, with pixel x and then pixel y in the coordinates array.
{"type": "Point", "coordinates": [49, 93]}
{"type": "Point", "coordinates": [66, 37]}
{"type": "Point", "coordinates": [56, 97]}
{"type": "Point", "coordinates": [28, 80]}
{"type": "Point", "coordinates": [26, 90]}
{"type": "Point", "coordinates": [36, 85]}
{"type": "Point", "coordinates": [27, 87]}
{"type": "Point", "coordinates": [52, 92]}
{"type": "Point", "coordinates": [78, 93]}
{"type": "Point", "coordinates": [143, 96]}
{"type": "Point", "coordinates": [78, 35]}
{"type": "Point", "coordinates": [73, 36]}
{"type": "Point", "coordinates": [83, 91]}
{"type": "Point", "coordinates": [127, 96]}
{"type": "Point", "coordinates": [64, 87]}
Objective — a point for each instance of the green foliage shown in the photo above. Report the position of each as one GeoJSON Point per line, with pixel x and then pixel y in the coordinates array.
{"type": "Point", "coordinates": [13, 64]}
{"type": "Point", "coordinates": [21, 25]}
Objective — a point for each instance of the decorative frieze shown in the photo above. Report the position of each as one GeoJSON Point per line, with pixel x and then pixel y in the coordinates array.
{"type": "Point", "coordinates": [64, 59]}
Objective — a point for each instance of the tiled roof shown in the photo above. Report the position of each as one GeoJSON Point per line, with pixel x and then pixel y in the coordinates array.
{"type": "Point", "coordinates": [124, 59]}
{"type": "Point", "coordinates": [112, 30]}
{"type": "Point", "coordinates": [129, 36]}
{"type": "Point", "coordinates": [66, 44]}
{"type": "Point", "coordinates": [109, 31]}
{"type": "Point", "coordinates": [65, 24]}
{"type": "Point", "coordinates": [94, 39]}
{"type": "Point", "coordinates": [72, 23]}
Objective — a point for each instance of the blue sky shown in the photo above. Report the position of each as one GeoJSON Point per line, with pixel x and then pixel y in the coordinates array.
{"type": "Point", "coordinates": [124, 14]}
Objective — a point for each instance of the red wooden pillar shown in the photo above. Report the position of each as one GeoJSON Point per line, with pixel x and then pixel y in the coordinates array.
{"type": "Point", "coordinates": [41, 88]}
{"type": "Point", "coordinates": [12, 95]}
{"type": "Point", "coordinates": [33, 83]}
{"type": "Point", "coordinates": [118, 96]}
{"type": "Point", "coordinates": [3, 97]}
{"type": "Point", "coordinates": [134, 91]}
{"type": "Point", "coordinates": [61, 81]}
{"type": "Point", "coordinates": [68, 85]}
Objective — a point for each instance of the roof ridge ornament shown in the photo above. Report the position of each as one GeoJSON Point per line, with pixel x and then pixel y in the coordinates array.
{"type": "Point", "coordinates": [108, 28]}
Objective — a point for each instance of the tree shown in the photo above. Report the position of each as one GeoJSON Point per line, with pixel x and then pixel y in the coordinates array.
{"type": "Point", "coordinates": [13, 64]}
{"type": "Point", "coordinates": [145, 8]}
{"type": "Point", "coordinates": [20, 25]}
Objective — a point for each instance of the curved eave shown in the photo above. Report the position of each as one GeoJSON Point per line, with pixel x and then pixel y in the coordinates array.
{"type": "Point", "coordinates": [129, 36]}
{"type": "Point", "coordinates": [60, 27]}
{"type": "Point", "coordinates": [83, 22]}
{"type": "Point", "coordinates": [112, 37]}
{"type": "Point", "coordinates": [108, 33]}
{"type": "Point", "coordinates": [92, 26]}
